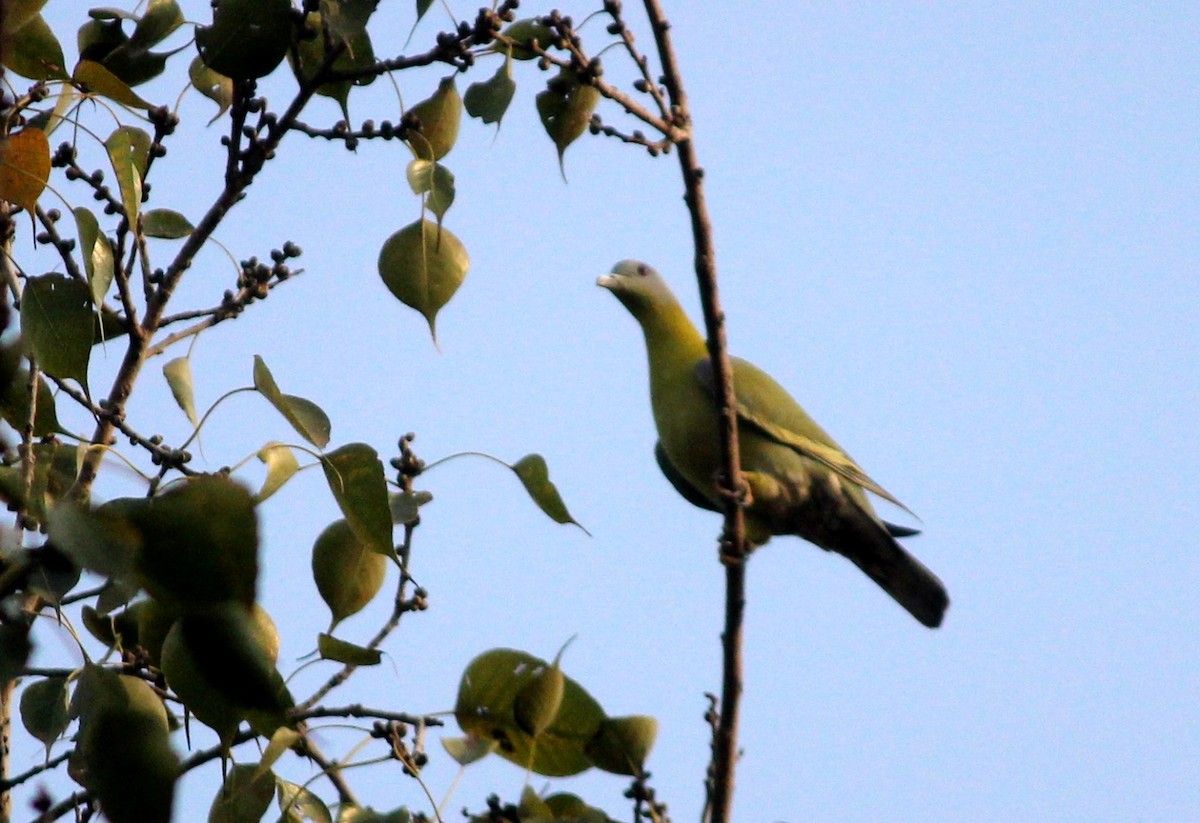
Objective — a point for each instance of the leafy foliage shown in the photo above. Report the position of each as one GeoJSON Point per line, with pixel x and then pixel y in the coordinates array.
{"type": "Point", "coordinates": [164, 581]}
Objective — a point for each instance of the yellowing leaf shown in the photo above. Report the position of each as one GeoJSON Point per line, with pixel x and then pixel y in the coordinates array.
{"type": "Point", "coordinates": [24, 167]}
{"type": "Point", "coordinates": [281, 465]}
{"type": "Point", "coordinates": [179, 377]}
{"type": "Point", "coordinates": [466, 750]}
{"type": "Point", "coordinates": [423, 266]}
{"type": "Point", "coordinates": [129, 151]}
{"type": "Point", "coordinates": [93, 78]}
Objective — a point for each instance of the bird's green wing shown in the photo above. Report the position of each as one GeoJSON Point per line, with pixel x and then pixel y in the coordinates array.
{"type": "Point", "coordinates": [767, 407]}
{"type": "Point", "coordinates": [686, 490]}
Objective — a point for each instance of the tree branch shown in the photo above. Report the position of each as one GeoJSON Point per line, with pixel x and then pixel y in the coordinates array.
{"type": "Point", "coordinates": [733, 549]}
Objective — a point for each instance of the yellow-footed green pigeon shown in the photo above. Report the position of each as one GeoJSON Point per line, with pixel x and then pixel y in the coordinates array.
{"type": "Point", "coordinates": [800, 481]}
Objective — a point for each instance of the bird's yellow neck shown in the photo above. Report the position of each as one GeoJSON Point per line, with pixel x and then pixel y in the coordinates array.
{"type": "Point", "coordinates": [671, 337]}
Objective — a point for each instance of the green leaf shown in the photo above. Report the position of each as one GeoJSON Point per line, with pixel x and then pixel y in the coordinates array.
{"type": "Point", "coordinates": [24, 167]}
{"type": "Point", "coordinates": [15, 649]}
{"type": "Point", "coordinates": [423, 266]}
{"type": "Point", "coordinates": [406, 506]}
{"type": "Point", "coordinates": [357, 814]}
{"type": "Point", "coordinates": [439, 116]}
{"type": "Point", "coordinates": [347, 572]}
{"type": "Point", "coordinates": [56, 317]}
{"type": "Point", "coordinates": [129, 150]}
{"type": "Point", "coordinates": [96, 251]}
{"type": "Point", "coordinates": [282, 740]}
{"type": "Point", "coordinates": [100, 540]}
{"type": "Point", "coordinates": [96, 79]}
{"type": "Point", "coordinates": [160, 19]}
{"type": "Point", "coordinates": [355, 476]}
{"type": "Point", "coordinates": [14, 405]}
{"type": "Point", "coordinates": [178, 373]}
{"type": "Point", "coordinates": [281, 465]}
{"type": "Point", "coordinates": [523, 33]}
{"type": "Point", "coordinates": [535, 476]}
{"type": "Point", "coordinates": [565, 108]}
{"type": "Point", "coordinates": [232, 648]}
{"type": "Point", "coordinates": [166, 224]}
{"type": "Point", "coordinates": [44, 709]}
{"type": "Point", "coordinates": [466, 750]}
{"type": "Point", "coordinates": [486, 696]}
{"type": "Point", "coordinates": [622, 744]}
{"type": "Point", "coordinates": [31, 50]}
{"type": "Point", "coordinates": [248, 38]}
{"type": "Point", "coordinates": [299, 805]}
{"type": "Point", "coordinates": [213, 85]}
{"type": "Point", "coordinates": [200, 542]}
{"type": "Point", "coordinates": [434, 179]}
{"type": "Point", "coordinates": [489, 100]}
{"type": "Point", "coordinates": [244, 797]}
{"type": "Point", "coordinates": [532, 807]}
{"type": "Point", "coordinates": [124, 743]}
{"type": "Point", "coordinates": [347, 19]}
{"type": "Point", "coordinates": [306, 417]}
{"type": "Point", "coordinates": [339, 651]}
{"type": "Point", "coordinates": [310, 53]}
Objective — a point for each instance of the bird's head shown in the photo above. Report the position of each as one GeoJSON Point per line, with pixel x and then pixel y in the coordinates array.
{"type": "Point", "coordinates": [638, 286]}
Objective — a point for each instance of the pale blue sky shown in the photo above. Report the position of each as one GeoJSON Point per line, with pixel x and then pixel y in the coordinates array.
{"type": "Point", "coordinates": [965, 237]}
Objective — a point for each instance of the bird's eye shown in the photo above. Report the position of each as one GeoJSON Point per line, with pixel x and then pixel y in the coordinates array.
{"type": "Point", "coordinates": [642, 271]}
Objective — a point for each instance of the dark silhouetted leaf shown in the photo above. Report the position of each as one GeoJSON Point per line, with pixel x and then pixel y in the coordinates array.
{"type": "Point", "coordinates": [489, 100]}
{"type": "Point", "coordinates": [248, 38]}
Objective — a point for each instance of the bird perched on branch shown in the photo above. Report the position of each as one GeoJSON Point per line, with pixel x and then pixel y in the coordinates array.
{"type": "Point", "coordinates": [799, 480]}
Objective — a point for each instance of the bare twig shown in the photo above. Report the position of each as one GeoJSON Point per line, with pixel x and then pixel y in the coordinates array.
{"type": "Point", "coordinates": [733, 548]}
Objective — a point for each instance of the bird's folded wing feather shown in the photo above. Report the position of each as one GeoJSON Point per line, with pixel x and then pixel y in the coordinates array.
{"type": "Point", "coordinates": [766, 406]}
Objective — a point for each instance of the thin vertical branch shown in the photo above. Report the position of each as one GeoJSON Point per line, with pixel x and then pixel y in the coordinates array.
{"type": "Point", "coordinates": [733, 548]}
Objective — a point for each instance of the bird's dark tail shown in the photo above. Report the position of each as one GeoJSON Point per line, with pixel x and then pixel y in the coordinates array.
{"type": "Point", "coordinates": [904, 577]}
{"type": "Point", "coordinates": [860, 536]}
